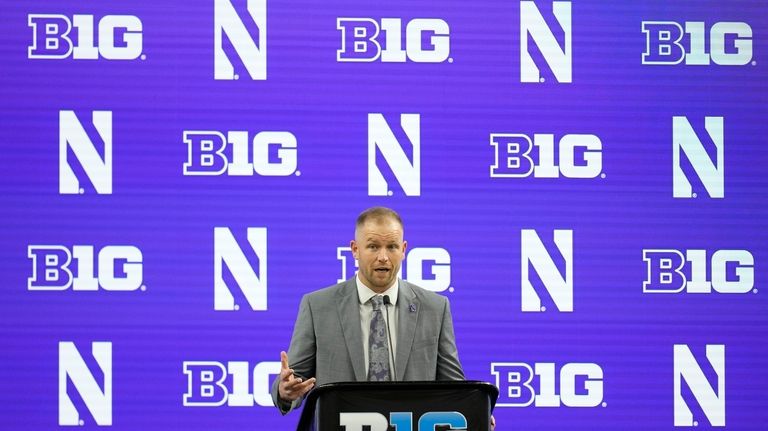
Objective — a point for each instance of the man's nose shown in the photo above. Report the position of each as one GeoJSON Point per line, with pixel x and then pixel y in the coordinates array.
{"type": "Point", "coordinates": [383, 256]}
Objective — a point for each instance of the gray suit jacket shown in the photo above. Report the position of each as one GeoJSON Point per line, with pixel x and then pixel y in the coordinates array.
{"type": "Point", "coordinates": [327, 341]}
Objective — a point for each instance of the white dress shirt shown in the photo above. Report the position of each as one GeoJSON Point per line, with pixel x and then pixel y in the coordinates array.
{"type": "Point", "coordinates": [364, 294]}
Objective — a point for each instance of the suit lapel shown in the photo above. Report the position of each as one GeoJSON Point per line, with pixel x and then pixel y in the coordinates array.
{"type": "Point", "coordinates": [408, 309]}
{"type": "Point", "coordinates": [349, 315]}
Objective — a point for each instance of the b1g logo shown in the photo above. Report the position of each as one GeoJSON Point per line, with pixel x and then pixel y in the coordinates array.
{"type": "Point", "coordinates": [710, 398]}
{"type": "Point", "coordinates": [96, 396]}
{"type": "Point", "coordinates": [78, 141]}
{"type": "Point", "coordinates": [246, 267]}
{"type": "Point", "coordinates": [210, 153]}
{"type": "Point", "coordinates": [212, 384]}
{"type": "Point", "coordinates": [382, 141]}
{"type": "Point", "coordinates": [522, 385]}
{"type": "Point", "coordinates": [403, 421]}
{"type": "Point", "coordinates": [675, 271]}
{"type": "Point", "coordinates": [559, 60]}
{"type": "Point", "coordinates": [361, 40]}
{"type": "Point", "coordinates": [710, 170]}
{"type": "Point", "coordinates": [428, 267]}
{"type": "Point", "coordinates": [233, 35]}
{"type": "Point", "coordinates": [579, 156]}
{"type": "Point", "coordinates": [119, 37]}
{"type": "Point", "coordinates": [668, 43]}
{"type": "Point", "coordinates": [558, 283]}
{"type": "Point", "coordinates": [57, 267]}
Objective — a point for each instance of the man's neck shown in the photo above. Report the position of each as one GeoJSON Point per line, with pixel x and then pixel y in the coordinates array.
{"type": "Point", "coordinates": [378, 291]}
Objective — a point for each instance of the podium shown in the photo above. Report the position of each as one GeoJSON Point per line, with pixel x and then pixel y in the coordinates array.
{"type": "Point", "coordinates": [404, 406]}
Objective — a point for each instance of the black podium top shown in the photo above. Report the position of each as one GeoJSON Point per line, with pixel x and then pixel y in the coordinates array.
{"type": "Point", "coordinates": [473, 399]}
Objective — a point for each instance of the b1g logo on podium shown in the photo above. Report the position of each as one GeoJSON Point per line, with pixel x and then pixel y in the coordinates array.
{"type": "Point", "coordinates": [730, 43]}
{"type": "Point", "coordinates": [403, 421]}
{"type": "Point", "coordinates": [383, 141]}
{"type": "Point", "coordinates": [522, 385]}
{"type": "Point", "coordinates": [231, 33]}
{"type": "Point", "coordinates": [709, 397]}
{"type": "Point", "coordinates": [709, 166]}
{"type": "Point", "coordinates": [75, 374]}
{"type": "Point", "coordinates": [557, 282]}
{"type": "Point", "coordinates": [579, 156]}
{"type": "Point", "coordinates": [427, 267]}
{"type": "Point", "coordinates": [210, 153]}
{"type": "Point", "coordinates": [675, 271]}
{"type": "Point", "coordinates": [559, 59]}
{"type": "Point", "coordinates": [245, 266]}
{"type": "Point", "coordinates": [119, 37]}
{"type": "Point", "coordinates": [361, 41]}
{"type": "Point", "coordinates": [90, 145]}
{"type": "Point", "coordinates": [57, 268]}
{"type": "Point", "coordinates": [212, 383]}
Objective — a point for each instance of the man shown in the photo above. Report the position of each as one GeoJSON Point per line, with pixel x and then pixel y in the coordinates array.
{"type": "Point", "coordinates": [341, 332]}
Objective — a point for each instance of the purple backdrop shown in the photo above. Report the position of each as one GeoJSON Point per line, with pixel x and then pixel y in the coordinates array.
{"type": "Point", "coordinates": [588, 196]}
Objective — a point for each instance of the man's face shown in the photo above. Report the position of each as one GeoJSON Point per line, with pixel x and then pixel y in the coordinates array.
{"type": "Point", "coordinates": [379, 249]}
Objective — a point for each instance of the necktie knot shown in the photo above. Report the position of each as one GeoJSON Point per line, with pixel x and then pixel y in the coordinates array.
{"type": "Point", "coordinates": [377, 301]}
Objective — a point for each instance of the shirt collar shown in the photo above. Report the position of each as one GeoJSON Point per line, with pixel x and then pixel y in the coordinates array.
{"type": "Point", "coordinates": [364, 293]}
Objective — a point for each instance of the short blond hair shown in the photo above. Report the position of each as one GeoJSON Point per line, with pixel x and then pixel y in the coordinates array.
{"type": "Point", "coordinates": [377, 214]}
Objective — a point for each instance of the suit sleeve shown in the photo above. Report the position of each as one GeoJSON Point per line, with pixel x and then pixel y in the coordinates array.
{"type": "Point", "coordinates": [448, 365]}
{"type": "Point", "coordinates": [301, 354]}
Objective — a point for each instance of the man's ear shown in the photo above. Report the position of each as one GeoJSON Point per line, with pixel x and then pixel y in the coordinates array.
{"type": "Point", "coordinates": [353, 246]}
{"type": "Point", "coordinates": [405, 247]}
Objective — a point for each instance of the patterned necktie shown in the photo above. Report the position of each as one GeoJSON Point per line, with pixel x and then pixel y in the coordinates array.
{"type": "Point", "coordinates": [378, 346]}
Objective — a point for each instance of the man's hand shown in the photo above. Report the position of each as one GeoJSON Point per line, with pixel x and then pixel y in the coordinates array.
{"type": "Point", "coordinates": [291, 388]}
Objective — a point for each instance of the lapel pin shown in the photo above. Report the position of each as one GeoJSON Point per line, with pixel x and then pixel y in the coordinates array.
{"type": "Point", "coordinates": [412, 307]}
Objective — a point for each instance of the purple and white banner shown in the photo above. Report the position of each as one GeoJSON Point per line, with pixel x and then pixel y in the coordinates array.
{"type": "Point", "coordinates": [584, 180]}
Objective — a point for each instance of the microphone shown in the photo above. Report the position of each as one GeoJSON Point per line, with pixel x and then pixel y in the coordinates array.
{"type": "Point", "coordinates": [387, 303]}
